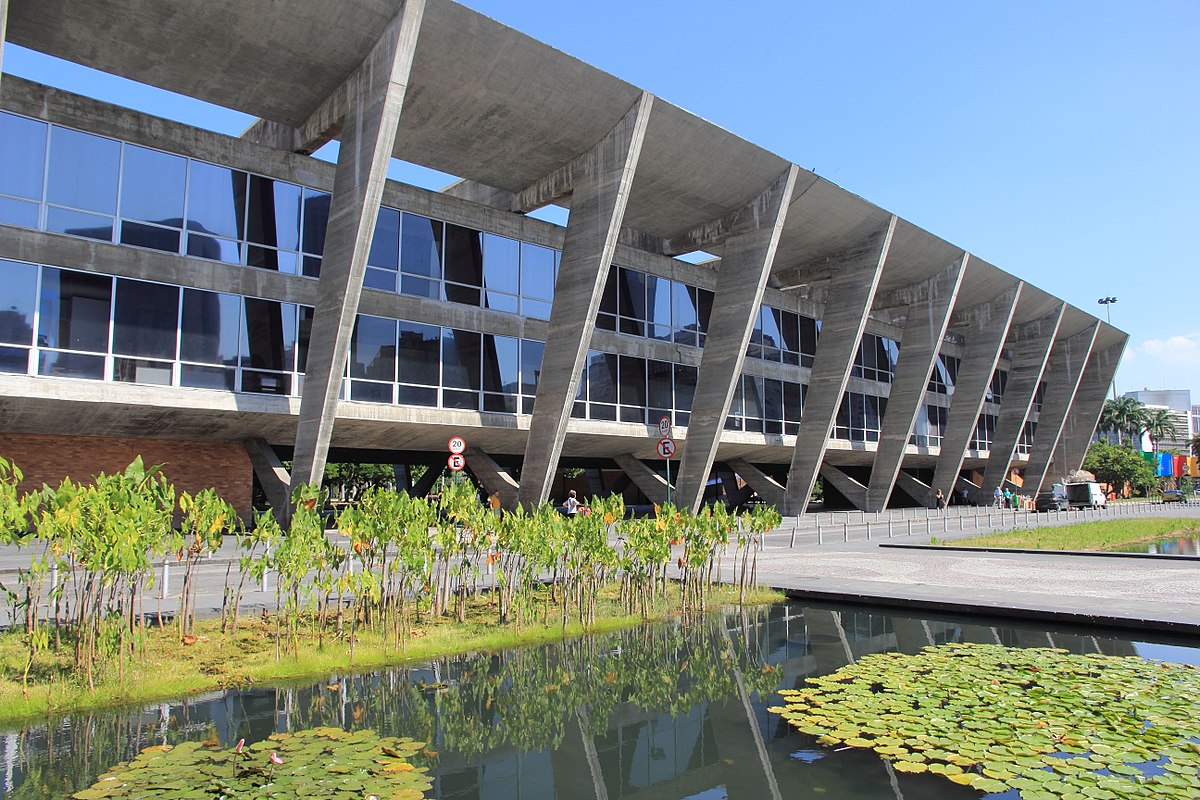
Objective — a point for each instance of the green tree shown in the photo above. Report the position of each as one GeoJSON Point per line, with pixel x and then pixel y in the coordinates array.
{"type": "Point", "coordinates": [1118, 465]}
{"type": "Point", "coordinates": [1159, 425]}
{"type": "Point", "coordinates": [1196, 446]}
{"type": "Point", "coordinates": [1124, 415]}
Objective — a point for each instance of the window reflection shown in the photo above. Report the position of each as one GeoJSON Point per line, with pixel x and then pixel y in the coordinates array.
{"type": "Point", "coordinates": [83, 171]}
{"type": "Point", "coordinates": [144, 319]}
{"type": "Point", "coordinates": [74, 310]}
{"type": "Point", "coordinates": [17, 299]}
{"type": "Point", "coordinates": [22, 156]}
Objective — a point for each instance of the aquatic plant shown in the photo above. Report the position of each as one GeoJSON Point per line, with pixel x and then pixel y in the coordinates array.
{"type": "Point", "coordinates": [321, 762]}
{"type": "Point", "coordinates": [1050, 724]}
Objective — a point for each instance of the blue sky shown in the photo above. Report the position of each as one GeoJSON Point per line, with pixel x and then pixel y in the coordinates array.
{"type": "Point", "coordinates": [1056, 140]}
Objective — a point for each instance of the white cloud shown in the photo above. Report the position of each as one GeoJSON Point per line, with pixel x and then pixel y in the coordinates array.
{"type": "Point", "coordinates": [1177, 351]}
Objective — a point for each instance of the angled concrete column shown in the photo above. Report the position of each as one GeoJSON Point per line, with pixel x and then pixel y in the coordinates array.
{"type": "Point", "coordinates": [1029, 346]}
{"type": "Point", "coordinates": [1087, 405]}
{"type": "Point", "coordinates": [599, 183]}
{"type": "Point", "coordinates": [651, 484]}
{"type": "Point", "coordinates": [375, 97]}
{"type": "Point", "coordinates": [854, 491]}
{"type": "Point", "coordinates": [746, 261]}
{"type": "Point", "coordinates": [424, 484]}
{"type": "Point", "coordinates": [921, 492]}
{"type": "Point", "coordinates": [766, 486]}
{"type": "Point", "coordinates": [271, 475]}
{"type": "Point", "coordinates": [493, 477]}
{"type": "Point", "coordinates": [3, 28]}
{"type": "Point", "coordinates": [985, 327]}
{"type": "Point", "coordinates": [1067, 360]}
{"type": "Point", "coordinates": [924, 329]}
{"type": "Point", "coordinates": [851, 295]}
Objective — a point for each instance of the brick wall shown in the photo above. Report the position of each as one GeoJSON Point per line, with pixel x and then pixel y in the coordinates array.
{"type": "Point", "coordinates": [190, 466]}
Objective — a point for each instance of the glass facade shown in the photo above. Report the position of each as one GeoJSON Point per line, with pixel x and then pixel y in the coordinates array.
{"type": "Point", "coordinates": [765, 405]}
{"type": "Point", "coordinates": [985, 432]}
{"type": "Point", "coordinates": [1025, 442]}
{"type": "Point", "coordinates": [859, 417]}
{"type": "Point", "coordinates": [876, 358]}
{"type": "Point", "coordinates": [638, 304]}
{"type": "Point", "coordinates": [930, 426]}
{"type": "Point", "coordinates": [631, 389]}
{"type": "Point", "coordinates": [944, 376]}
{"type": "Point", "coordinates": [784, 336]}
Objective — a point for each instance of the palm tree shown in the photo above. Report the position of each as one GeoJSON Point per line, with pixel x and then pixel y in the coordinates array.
{"type": "Point", "coordinates": [1159, 425]}
{"type": "Point", "coordinates": [1125, 415]}
{"type": "Point", "coordinates": [1196, 445]}
{"type": "Point", "coordinates": [1109, 419]}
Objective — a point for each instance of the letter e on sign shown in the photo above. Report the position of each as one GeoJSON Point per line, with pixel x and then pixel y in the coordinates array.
{"type": "Point", "coordinates": [666, 447]}
{"type": "Point", "coordinates": [456, 462]}
{"type": "Point", "coordinates": [456, 445]}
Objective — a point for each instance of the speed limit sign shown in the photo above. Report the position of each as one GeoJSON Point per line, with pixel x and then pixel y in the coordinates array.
{"type": "Point", "coordinates": [666, 447]}
{"type": "Point", "coordinates": [664, 426]}
{"type": "Point", "coordinates": [456, 462]}
{"type": "Point", "coordinates": [456, 445]}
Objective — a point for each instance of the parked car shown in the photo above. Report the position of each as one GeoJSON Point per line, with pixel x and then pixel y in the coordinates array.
{"type": "Point", "coordinates": [1173, 496]}
{"type": "Point", "coordinates": [1051, 501]}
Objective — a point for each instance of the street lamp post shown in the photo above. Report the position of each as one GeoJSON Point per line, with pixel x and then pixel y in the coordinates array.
{"type": "Point", "coordinates": [1107, 303]}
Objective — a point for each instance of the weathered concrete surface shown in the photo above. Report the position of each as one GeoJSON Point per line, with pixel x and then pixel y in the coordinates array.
{"type": "Point", "coordinates": [766, 486]}
{"type": "Point", "coordinates": [493, 477]}
{"type": "Point", "coordinates": [1068, 358]}
{"type": "Point", "coordinates": [375, 98]}
{"type": "Point", "coordinates": [598, 197]}
{"type": "Point", "coordinates": [924, 330]}
{"type": "Point", "coordinates": [853, 491]}
{"type": "Point", "coordinates": [649, 482]}
{"type": "Point", "coordinates": [747, 256]}
{"type": "Point", "coordinates": [986, 328]}
{"type": "Point", "coordinates": [851, 294]}
{"type": "Point", "coordinates": [1089, 402]}
{"type": "Point", "coordinates": [1030, 347]}
{"type": "Point", "coordinates": [3, 29]}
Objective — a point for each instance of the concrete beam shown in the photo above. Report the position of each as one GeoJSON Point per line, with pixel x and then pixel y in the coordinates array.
{"type": "Point", "coordinates": [851, 296]}
{"type": "Point", "coordinates": [329, 119]}
{"type": "Point", "coordinates": [1030, 345]}
{"type": "Point", "coordinates": [1067, 360]}
{"type": "Point", "coordinates": [651, 484]}
{"type": "Point", "coordinates": [921, 492]}
{"type": "Point", "coordinates": [493, 477]}
{"type": "Point", "coordinates": [825, 270]}
{"type": "Point", "coordinates": [1086, 407]}
{"type": "Point", "coordinates": [600, 192]}
{"type": "Point", "coordinates": [271, 475]}
{"type": "Point", "coordinates": [854, 491]}
{"type": "Point", "coordinates": [924, 331]}
{"type": "Point", "coordinates": [375, 98]}
{"type": "Point", "coordinates": [475, 192]}
{"type": "Point", "coordinates": [746, 261]}
{"type": "Point", "coordinates": [767, 487]}
{"type": "Point", "coordinates": [986, 329]}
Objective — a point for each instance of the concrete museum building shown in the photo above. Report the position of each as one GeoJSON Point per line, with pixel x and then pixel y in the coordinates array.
{"type": "Point", "coordinates": [218, 303]}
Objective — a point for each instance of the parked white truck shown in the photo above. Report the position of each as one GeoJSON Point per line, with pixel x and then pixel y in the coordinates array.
{"type": "Point", "coordinates": [1085, 494]}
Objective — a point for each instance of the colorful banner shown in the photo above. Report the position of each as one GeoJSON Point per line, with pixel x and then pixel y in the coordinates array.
{"type": "Point", "coordinates": [1194, 466]}
{"type": "Point", "coordinates": [1179, 466]}
{"type": "Point", "coordinates": [1165, 465]}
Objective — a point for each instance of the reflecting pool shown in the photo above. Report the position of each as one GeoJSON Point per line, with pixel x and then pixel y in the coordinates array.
{"type": "Point", "coordinates": [1167, 546]}
{"type": "Point", "coordinates": [661, 711]}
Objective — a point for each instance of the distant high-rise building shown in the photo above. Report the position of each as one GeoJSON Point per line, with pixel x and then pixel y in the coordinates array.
{"type": "Point", "coordinates": [1179, 403]}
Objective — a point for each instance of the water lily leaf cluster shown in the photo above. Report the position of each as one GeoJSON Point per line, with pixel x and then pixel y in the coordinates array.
{"type": "Point", "coordinates": [1048, 723]}
{"type": "Point", "coordinates": [329, 763]}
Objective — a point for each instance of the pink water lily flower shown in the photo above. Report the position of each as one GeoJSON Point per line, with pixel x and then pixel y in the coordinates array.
{"type": "Point", "coordinates": [241, 743]}
{"type": "Point", "coordinates": [275, 759]}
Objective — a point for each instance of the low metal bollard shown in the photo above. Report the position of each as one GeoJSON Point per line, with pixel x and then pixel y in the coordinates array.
{"type": "Point", "coordinates": [164, 590]}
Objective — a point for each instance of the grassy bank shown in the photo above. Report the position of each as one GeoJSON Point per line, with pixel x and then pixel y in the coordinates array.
{"type": "Point", "coordinates": [1094, 536]}
{"type": "Point", "coordinates": [169, 669]}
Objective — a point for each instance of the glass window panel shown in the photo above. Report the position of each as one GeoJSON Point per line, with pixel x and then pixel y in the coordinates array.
{"type": "Point", "coordinates": [500, 403]}
{"type": "Point", "coordinates": [303, 331]}
{"type": "Point", "coordinates": [752, 396]}
{"type": "Point", "coordinates": [207, 377]}
{"type": "Point", "coordinates": [14, 360]}
{"type": "Point", "coordinates": [22, 156]}
{"type": "Point", "coordinates": [421, 246]}
{"type": "Point", "coordinates": [685, 386]}
{"type": "Point", "coordinates": [210, 247]}
{"type": "Point", "coordinates": [268, 335]}
{"type": "Point", "coordinates": [420, 287]}
{"type": "Point", "coordinates": [152, 186]}
{"type": "Point", "coordinates": [83, 171]}
{"type": "Point", "coordinates": [632, 414]}
{"type": "Point", "coordinates": [74, 310]}
{"type": "Point", "coordinates": [608, 300]}
{"type": "Point", "coordinates": [77, 223]}
{"type": "Point", "coordinates": [789, 329]}
{"type": "Point", "coordinates": [658, 384]}
{"type": "Point", "coordinates": [460, 359]}
{"type": "Point", "coordinates": [210, 328]}
{"type": "Point", "coordinates": [501, 364]}
{"type": "Point", "coordinates": [420, 353]}
{"type": "Point", "coordinates": [70, 365]}
{"type": "Point", "coordinates": [369, 392]}
{"type": "Point", "coordinates": [18, 212]}
{"type": "Point", "coordinates": [139, 235]}
{"type": "Point", "coordinates": [683, 313]}
{"type": "Point", "coordinates": [467, 295]}
{"type": "Point", "coordinates": [808, 335]}
{"type": "Point", "coordinates": [145, 316]}
{"type": "Point", "coordinates": [275, 260]}
{"type": "Point", "coordinates": [602, 411]}
{"type": "Point", "coordinates": [266, 382]}
{"type": "Point", "coordinates": [18, 296]}
{"type": "Point", "coordinates": [417, 396]}
{"type": "Point", "coordinates": [274, 213]}
{"type": "Point", "coordinates": [631, 295]}
{"type": "Point", "coordinates": [772, 399]}
{"type": "Point", "coordinates": [793, 401]}
{"type": "Point", "coordinates": [501, 264]}
{"type": "Point", "coordinates": [501, 302]}
{"type": "Point", "coordinates": [316, 220]}
{"type": "Point", "coordinates": [383, 279]}
{"type": "Point", "coordinates": [536, 309]}
{"type": "Point", "coordinates": [385, 246]}
{"type": "Point", "coordinates": [602, 377]}
{"type": "Point", "coordinates": [468, 401]}
{"type": "Point", "coordinates": [633, 381]}
{"type": "Point", "coordinates": [311, 267]}
{"type": "Point", "coordinates": [772, 333]}
{"type": "Point", "coordinates": [704, 303]}
{"type": "Point", "coordinates": [531, 365]}
{"type": "Point", "coordinates": [464, 257]}
{"type": "Point", "coordinates": [658, 307]}
{"type": "Point", "coordinates": [373, 349]}
{"type": "Point", "coordinates": [216, 201]}
{"type": "Point", "coordinates": [538, 268]}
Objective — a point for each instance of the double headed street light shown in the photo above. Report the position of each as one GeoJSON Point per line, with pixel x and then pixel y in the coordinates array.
{"type": "Point", "coordinates": [1107, 303]}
